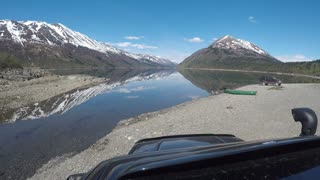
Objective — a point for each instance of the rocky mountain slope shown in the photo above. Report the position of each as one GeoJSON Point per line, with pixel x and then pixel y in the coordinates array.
{"type": "Point", "coordinates": [34, 43]}
{"type": "Point", "coordinates": [229, 52]}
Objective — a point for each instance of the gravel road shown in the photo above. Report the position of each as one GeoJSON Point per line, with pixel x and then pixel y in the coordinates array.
{"type": "Point", "coordinates": [266, 115]}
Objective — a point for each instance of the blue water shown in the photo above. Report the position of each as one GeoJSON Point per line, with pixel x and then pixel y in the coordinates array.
{"type": "Point", "coordinates": [136, 98]}
{"type": "Point", "coordinates": [27, 144]}
{"type": "Point", "coordinates": [32, 140]}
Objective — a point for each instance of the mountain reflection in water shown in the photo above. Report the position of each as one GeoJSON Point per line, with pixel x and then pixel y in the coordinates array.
{"type": "Point", "coordinates": [211, 81]}
{"type": "Point", "coordinates": [66, 101]}
{"type": "Point", "coordinates": [215, 81]}
{"type": "Point", "coordinates": [73, 121]}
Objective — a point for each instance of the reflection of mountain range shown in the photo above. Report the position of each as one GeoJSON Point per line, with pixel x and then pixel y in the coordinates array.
{"type": "Point", "coordinates": [213, 81]}
{"type": "Point", "coordinates": [217, 80]}
{"type": "Point", "coordinates": [114, 74]}
{"type": "Point", "coordinates": [63, 103]}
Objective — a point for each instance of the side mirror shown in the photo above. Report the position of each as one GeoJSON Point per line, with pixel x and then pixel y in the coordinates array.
{"type": "Point", "coordinates": [308, 119]}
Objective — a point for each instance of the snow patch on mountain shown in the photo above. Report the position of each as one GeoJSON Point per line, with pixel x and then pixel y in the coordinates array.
{"type": "Point", "coordinates": [228, 42]}
{"type": "Point", "coordinates": [37, 32]}
{"type": "Point", "coordinates": [15, 32]}
{"type": "Point", "coordinates": [156, 59]}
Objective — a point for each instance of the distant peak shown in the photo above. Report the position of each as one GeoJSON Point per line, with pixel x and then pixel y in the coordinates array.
{"type": "Point", "coordinates": [227, 36]}
{"type": "Point", "coordinates": [61, 25]}
{"type": "Point", "coordinates": [28, 22]}
{"type": "Point", "coordinates": [8, 21]}
{"type": "Point", "coordinates": [224, 38]}
{"type": "Point", "coordinates": [5, 20]}
{"type": "Point", "coordinates": [31, 22]}
{"type": "Point", "coordinates": [231, 43]}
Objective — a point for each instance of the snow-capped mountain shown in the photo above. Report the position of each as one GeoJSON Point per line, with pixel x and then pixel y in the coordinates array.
{"type": "Point", "coordinates": [229, 52]}
{"type": "Point", "coordinates": [28, 39]}
{"type": "Point", "coordinates": [228, 42]}
{"type": "Point", "coordinates": [157, 59]}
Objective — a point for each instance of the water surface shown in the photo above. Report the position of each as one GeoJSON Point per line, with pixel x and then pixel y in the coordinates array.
{"type": "Point", "coordinates": [71, 122]}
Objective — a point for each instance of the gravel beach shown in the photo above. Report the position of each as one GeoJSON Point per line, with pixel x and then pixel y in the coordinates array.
{"type": "Point", "coordinates": [15, 94]}
{"type": "Point", "coordinates": [266, 115]}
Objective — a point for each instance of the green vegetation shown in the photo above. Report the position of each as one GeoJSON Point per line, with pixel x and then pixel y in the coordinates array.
{"type": "Point", "coordinates": [223, 59]}
{"type": "Point", "coordinates": [8, 61]}
{"type": "Point", "coordinates": [310, 68]}
{"type": "Point", "coordinates": [230, 63]}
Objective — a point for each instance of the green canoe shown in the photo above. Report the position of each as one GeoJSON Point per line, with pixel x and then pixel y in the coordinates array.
{"type": "Point", "coordinates": [239, 92]}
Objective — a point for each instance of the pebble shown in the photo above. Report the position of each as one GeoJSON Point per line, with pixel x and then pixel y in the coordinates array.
{"type": "Point", "coordinates": [130, 138]}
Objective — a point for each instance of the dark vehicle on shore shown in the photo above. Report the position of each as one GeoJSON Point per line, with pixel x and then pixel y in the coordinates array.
{"type": "Point", "coordinates": [218, 156]}
{"type": "Point", "coordinates": [270, 80]}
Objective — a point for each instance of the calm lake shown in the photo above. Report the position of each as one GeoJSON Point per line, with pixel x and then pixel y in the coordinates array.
{"type": "Point", "coordinates": [71, 122]}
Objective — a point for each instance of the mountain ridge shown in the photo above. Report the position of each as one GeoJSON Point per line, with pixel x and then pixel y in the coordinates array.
{"type": "Point", "coordinates": [229, 42]}
{"type": "Point", "coordinates": [229, 52]}
{"type": "Point", "coordinates": [28, 39]}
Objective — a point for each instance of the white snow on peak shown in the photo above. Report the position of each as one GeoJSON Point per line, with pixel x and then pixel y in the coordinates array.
{"type": "Point", "coordinates": [57, 34]}
{"type": "Point", "coordinates": [157, 59]}
{"type": "Point", "coordinates": [14, 31]}
{"type": "Point", "coordinates": [250, 46]}
{"type": "Point", "coordinates": [223, 38]}
{"type": "Point", "coordinates": [228, 42]}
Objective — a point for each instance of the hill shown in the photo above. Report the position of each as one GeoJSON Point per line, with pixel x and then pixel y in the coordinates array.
{"type": "Point", "coordinates": [231, 53]}
{"type": "Point", "coordinates": [34, 43]}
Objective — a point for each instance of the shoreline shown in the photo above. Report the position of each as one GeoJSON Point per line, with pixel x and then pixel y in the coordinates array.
{"type": "Point", "coordinates": [264, 116]}
{"type": "Point", "coordinates": [253, 71]}
{"type": "Point", "coordinates": [17, 94]}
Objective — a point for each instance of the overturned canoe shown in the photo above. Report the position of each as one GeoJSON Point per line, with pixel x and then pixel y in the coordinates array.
{"type": "Point", "coordinates": [239, 92]}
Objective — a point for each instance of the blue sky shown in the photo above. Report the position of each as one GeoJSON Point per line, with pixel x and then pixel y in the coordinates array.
{"type": "Point", "coordinates": [287, 29]}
